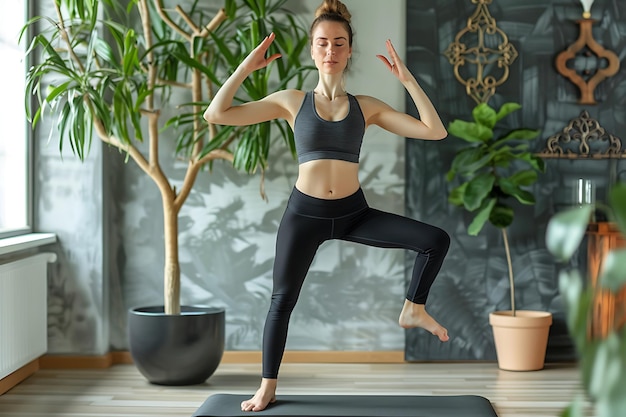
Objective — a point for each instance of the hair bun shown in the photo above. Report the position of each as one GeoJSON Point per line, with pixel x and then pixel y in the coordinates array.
{"type": "Point", "coordinates": [333, 7]}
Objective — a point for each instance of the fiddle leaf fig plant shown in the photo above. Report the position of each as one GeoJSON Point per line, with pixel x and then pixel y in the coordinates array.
{"type": "Point", "coordinates": [112, 69]}
{"type": "Point", "coordinates": [495, 168]}
{"type": "Point", "coordinates": [602, 360]}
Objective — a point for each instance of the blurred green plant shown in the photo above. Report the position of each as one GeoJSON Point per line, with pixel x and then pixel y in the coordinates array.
{"type": "Point", "coordinates": [491, 170]}
{"type": "Point", "coordinates": [112, 68]}
{"type": "Point", "coordinates": [602, 360]}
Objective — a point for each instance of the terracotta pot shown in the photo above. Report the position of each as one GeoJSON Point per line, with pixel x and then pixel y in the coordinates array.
{"type": "Point", "coordinates": [521, 340]}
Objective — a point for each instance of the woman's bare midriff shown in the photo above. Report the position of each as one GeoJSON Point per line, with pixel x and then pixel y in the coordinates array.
{"type": "Point", "coordinates": [329, 179]}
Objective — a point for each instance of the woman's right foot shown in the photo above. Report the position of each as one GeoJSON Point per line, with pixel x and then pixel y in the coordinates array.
{"type": "Point", "coordinates": [265, 395]}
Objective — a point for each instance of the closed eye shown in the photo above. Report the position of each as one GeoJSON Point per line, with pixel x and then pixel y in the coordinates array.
{"type": "Point", "coordinates": [324, 45]}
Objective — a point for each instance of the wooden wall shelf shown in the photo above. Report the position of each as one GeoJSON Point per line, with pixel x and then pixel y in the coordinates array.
{"type": "Point", "coordinates": [583, 138]}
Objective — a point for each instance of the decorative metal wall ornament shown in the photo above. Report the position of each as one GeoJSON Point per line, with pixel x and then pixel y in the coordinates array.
{"type": "Point", "coordinates": [583, 49]}
{"type": "Point", "coordinates": [489, 51]}
{"type": "Point", "coordinates": [583, 138]}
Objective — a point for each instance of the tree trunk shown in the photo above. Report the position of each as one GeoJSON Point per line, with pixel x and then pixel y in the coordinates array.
{"type": "Point", "coordinates": [171, 274]}
{"type": "Point", "coordinates": [510, 265]}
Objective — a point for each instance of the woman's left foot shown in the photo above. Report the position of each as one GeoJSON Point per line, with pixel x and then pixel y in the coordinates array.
{"type": "Point", "coordinates": [415, 315]}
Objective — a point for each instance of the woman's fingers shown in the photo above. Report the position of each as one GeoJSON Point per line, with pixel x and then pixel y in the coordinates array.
{"type": "Point", "coordinates": [257, 60]}
{"type": "Point", "coordinates": [266, 44]}
{"type": "Point", "coordinates": [393, 64]}
{"type": "Point", "coordinates": [262, 48]}
{"type": "Point", "coordinates": [272, 58]}
{"type": "Point", "coordinates": [385, 61]}
{"type": "Point", "coordinates": [392, 52]}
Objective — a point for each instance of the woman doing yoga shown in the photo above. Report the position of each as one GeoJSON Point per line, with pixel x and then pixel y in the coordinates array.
{"type": "Point", "coordinates": [327, 201]}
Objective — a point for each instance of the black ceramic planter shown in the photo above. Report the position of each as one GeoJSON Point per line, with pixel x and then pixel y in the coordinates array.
{"type": "Point", "coordinates": [180, 349]}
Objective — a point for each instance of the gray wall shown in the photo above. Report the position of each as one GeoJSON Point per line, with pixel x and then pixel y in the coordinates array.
{"type": "Point", "coordinates": [69, 201]}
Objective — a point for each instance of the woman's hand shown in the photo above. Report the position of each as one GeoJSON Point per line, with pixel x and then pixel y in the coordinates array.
{"type": "Point", "coordinates": [396, 65]}
{"type": "Point", "coordinates": [256, 59]}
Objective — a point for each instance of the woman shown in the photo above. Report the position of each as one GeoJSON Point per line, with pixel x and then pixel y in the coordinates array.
{"type": "Point", "coordinates": [327, 201]}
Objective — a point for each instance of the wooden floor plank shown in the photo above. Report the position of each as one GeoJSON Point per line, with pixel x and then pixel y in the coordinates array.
{"type": "Point", "coordinates": [121, 391]}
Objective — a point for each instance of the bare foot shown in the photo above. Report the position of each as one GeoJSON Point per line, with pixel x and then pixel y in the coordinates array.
{"type": "Point", "coordinates": [265, 395]}
{"type": "Point", "coordinates": [415, 315]}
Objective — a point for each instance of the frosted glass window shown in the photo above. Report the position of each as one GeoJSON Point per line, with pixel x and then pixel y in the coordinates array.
{"type": "Point", "coordinates": [14, 149]}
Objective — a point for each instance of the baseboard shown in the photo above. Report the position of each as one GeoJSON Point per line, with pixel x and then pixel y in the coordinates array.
{"type": "Point", "coordinates": [76, 361]}
{"type": "Point", "coordinates": [18, 376]}
{"type": "Point", "coordinates": [233, 356]}
{"type": "Point", "coordinates": [305, 356]}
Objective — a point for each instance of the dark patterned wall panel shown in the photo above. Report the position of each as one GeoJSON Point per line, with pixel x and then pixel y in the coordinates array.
{"type": "Point", "coordinates": [474, 278]}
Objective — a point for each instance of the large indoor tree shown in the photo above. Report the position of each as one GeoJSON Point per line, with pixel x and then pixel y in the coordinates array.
{"type": "Point", "coordinates": [111, 69]}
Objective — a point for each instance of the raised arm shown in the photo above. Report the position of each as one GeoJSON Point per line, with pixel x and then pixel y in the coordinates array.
{"type": "Point", "coordinates": [429, 126]}
{"type": "Point", "coordinates": [221, 109]}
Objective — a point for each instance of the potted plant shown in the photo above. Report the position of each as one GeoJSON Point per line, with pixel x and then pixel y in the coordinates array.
{"type": "Point", "coordinates": [492, 170]}
{"type": "Point", "coordinates": [110, 68]}
{"type": "Point", "coordinates": [602, 358]}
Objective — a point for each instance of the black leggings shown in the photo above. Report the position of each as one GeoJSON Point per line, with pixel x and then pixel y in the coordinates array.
{"type": "Point", "coordinates": [310, 221]}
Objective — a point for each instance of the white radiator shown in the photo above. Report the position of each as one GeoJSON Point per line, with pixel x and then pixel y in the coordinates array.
{"type": "Point", "coordinates": [23, 311]}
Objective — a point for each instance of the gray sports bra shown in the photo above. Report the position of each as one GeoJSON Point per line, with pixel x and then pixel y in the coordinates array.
{"type": "Point", "coordinates": [317, 138]}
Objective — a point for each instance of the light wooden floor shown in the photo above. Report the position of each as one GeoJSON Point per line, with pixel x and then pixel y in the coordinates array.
{"type": "Point", "coordinates": [122, 391]}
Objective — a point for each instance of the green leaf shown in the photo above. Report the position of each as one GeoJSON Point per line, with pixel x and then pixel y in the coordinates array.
{"type": "Point", "coordinates": [481, 218]}
{"type": "Point", "coordinates": [502, 157]}
{"type": "Point", "coordinates": [510, 188]}
{"type": "Point", "coordinates": [253, 6]}
{"type": "Point", "coordinates": [617, 200]}
{"type": "Point", "coordinates": [524, 178]}
{"type": "Point", "coordinates": [484, 115]}
{"type": "Point", "coordinates": [216, 142]}
{"type": "Point", "coordinates": [117, 31]}
{"type": "Point", "coordinates": [130, 58]}
{"type": "Point", "coordinates": [575, 409]}
{"type": "Point", "coordinates": [104, 51]}
{"type": "Point", "coordinates": [590, 347]}
{"type": "Point", "coordinates": [606, 368]}
{"type": "Point", "coordinates": [456, 195]}
{"type": "Point", "coordinates": [470, 132]}
{"type": "Point", "coordinates": [468, 161]}
{"type": "Point", "coordinates": [506, 109]}
{"type": "Point", "coordinates": [566, 230]}
{"type": "Point", "coordinates": [534, 161]}
{"type": "Point", "coordinates": [520, 134]}
{"type": "Point", "coordinates": [613, 274]}
{"type": "Point", "coordinates": [224, 50]}
{"type": "Point", "coordinates": [56, 91]}
{"type": "Point", "coordinates": [476, 191]}
{"type": "Point", "coordinates": [449, 175]}
{"type": "Point", "coordinates": [571, 285]}
{"type": "Point", "coordinates": [230, 6]}
{"type": "Point", "coordinates": [180, 53]}
{"type": "Point", "coordinates": [501, 216]}
{"type": "Point", "coordinates": [31, 22]}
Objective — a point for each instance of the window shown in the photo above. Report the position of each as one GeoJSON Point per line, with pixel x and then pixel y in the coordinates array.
{"type": "Point", "coordinates": [15, 199]}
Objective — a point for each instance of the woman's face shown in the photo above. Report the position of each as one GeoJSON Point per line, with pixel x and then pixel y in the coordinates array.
{"type": "Point", "coordinates": [330, 48]}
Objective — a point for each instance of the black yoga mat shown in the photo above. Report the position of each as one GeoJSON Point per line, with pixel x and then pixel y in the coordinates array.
{"type": "Point", "coordinates": [228, 405]}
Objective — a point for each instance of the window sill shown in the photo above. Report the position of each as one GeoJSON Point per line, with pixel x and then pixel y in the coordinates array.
{"type": "Point", "coordinates": [18, 243]}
